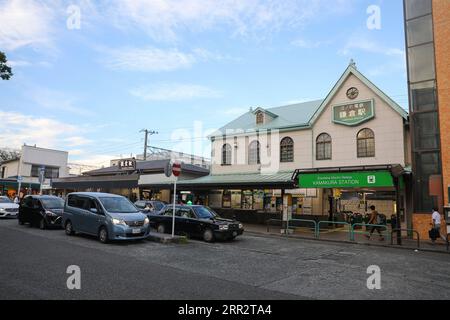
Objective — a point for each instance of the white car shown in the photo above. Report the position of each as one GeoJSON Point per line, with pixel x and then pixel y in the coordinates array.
{"type": "Point", "coordinates": [8, 209]}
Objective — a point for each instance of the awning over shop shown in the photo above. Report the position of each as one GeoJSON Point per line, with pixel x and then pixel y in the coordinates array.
{"type": "Point", "coordinates": [280, 180]}
{"type": "Point", "coordinates": [349, 177]}
{"type": "Point", "coordinates": [12, 183]}
{"type": "Point", "coordinates": [104, 182]}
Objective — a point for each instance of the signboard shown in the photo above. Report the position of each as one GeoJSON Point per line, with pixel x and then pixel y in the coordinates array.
{"type": "Point", "coordinates": [176, 169]}
{"type": "Point", "coordinates": [346, 180]}
{"type": "Point", "coordinates": [168, 169]}
{"type": "Point", "coordinates": [127, 164]}
{"type": "Point", "coordinates": [355, 113]}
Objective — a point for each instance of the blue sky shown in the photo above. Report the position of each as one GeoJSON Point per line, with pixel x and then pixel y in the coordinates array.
{"type": "Point", "coordinates": [180, 67]}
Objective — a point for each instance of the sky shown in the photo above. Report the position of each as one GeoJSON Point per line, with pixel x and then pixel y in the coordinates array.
{"type": "Point", "coordinates": [89, 75]}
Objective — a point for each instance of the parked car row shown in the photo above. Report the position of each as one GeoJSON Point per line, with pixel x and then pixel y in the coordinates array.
{"type": "Point", "coordinates": [112, 217]}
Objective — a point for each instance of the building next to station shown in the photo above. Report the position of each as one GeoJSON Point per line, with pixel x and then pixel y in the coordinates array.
{"type": "Point", "coordinates": [26, 168]}
{"type": "Point", "coordinates": [427, 27]}
{"type": "Point", "coordinates": [318, 158]}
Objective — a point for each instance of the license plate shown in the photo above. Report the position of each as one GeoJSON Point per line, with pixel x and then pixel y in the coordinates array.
{"type": "Point", "coordinates": [134, 231]}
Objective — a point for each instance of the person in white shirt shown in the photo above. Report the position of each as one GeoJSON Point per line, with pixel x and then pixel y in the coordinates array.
{"type": "Point", "coordinates": [436, 222]}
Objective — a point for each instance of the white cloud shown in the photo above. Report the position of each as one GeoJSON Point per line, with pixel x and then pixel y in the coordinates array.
{"type": "Point", "coordinates": [17, 128]}
{"type": "Point", "coordinates": [148, 59]}
{"type": "Point", "coordinates": [25, 23]}
{"type": "Point", "coordinates": [308, 44]}
{"type": "Point", "coordinates": [173, 92]}
{"type": "Point", "coordinates": [77, 141]}
{"type": "Point", "coordinates": [57, 100]}
{"type": "Point", "coordinates": [164, 20]}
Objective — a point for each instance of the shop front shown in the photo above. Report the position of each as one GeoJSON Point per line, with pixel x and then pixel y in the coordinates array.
{"type": "Point", "coordinates": [351, 191]}
{"type": "Point", "coordinates": [9, 187]}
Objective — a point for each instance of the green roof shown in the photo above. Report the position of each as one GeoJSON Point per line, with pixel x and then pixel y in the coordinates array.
{"type": "Point", "coordinates": [301, 114]}
{"type": "Point", "coordinates": [294, 115]}
{"type": "Point", "coordinates": [261, 179]}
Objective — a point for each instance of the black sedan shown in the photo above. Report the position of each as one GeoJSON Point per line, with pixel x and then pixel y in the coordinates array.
{"type": "Point", "coordinates": [41, 211]}
{"type": "Point", "coordinates": [196, 222]}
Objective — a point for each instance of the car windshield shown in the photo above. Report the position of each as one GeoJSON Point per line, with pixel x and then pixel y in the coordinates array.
{"type": "Point", "coordinates": [118, 205]}
{"type": "Point", "coordinates": [158, 205]}
{"type": "Point", "coordinates": [205, 213]}
{"type": "Point", "coordinates": [53, 203]}
{"type": "Point", "coordinates": [5, 200]}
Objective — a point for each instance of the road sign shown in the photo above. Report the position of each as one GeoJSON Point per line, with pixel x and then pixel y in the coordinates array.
{"type": "Point", "coordinates": [176, 169]}
{"type": "Point", "coordinates": [168, 169]}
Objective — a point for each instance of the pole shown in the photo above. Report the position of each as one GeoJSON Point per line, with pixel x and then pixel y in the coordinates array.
{"type": "Point", "coordinates": [145, 144]}
{"type": "Point", "coordinates": [174, 204]}
{"type": "Point", "coordinates": [19, 187]}
{"type": "Point", "coordinates": [398, 206]}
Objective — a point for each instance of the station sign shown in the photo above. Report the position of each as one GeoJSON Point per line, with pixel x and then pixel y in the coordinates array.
{"type": "Point", "coordinates": [355, 113]}
{"type": "Point", "coordinates": [346, 180]}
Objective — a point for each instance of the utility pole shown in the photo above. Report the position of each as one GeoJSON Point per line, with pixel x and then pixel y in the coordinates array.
{"type": "Point", "coordinates": [147, 132]}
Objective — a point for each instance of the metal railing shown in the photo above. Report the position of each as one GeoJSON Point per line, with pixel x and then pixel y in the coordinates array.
{"type": "Point", "coordinates": [352, 231]}
{"type": "Point", "coordinates": [330, 222]}
{"type": "Point", "coordinates": [407, 230]}
{"type": "Point", "coordinates": [269, 220]}
{"type": "Point", "coordinates": [306, 221]}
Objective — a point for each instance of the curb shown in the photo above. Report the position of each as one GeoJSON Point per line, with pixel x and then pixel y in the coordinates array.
{"type": "Point", "coordinates": [261, 234]}
{"type": "Point", "coordinates": [166, 238]}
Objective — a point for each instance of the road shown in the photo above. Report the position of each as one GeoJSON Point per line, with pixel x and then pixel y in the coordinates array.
{"type": "Point", "coordinates": [33, 265]}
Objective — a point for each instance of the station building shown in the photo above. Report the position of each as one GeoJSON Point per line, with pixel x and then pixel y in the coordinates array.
{"type": "Point", "coordinates": [320, 158]}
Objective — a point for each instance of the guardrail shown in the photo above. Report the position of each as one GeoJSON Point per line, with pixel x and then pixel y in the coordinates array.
{"type": "Point", "coordinates": [304, 220]}
{"type": "Point", "coordinates": [352, 231]}
{"type": "Point", "coordinates": [407, 230]}
{"type": "Point", "coordinates": [330, 222]}
{"type": "Point", "coordinates": [268, 225]}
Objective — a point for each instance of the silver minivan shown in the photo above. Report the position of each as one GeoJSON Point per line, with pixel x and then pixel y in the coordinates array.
{"type": "Point", "coordinates": [107, 216]}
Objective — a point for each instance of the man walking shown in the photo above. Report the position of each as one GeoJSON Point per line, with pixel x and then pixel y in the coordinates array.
{"type": "Point", "coordinates": [374, 219]}
{"type": "Point", "coordinates": [436, 225]}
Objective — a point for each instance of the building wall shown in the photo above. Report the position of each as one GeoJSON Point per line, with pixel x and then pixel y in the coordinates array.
{"type": "Point", "coordinates": [46, 157]}
{"type": "Point", "coordinates": [390, 139]}
{"type": "Point", "coordinates": [11, 168]}
{"type": "Point", "coordinates": [441, 24]}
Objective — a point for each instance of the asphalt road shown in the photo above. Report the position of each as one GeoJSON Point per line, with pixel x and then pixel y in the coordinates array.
{"type": "Point", "coordinates": [33, 265]}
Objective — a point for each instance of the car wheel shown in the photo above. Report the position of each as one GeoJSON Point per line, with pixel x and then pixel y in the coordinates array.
{"type": "Point", "coordinates": [69, 228]}
{"type": "Point", "coordinates": [42, 224]}
{"type": "Point", "coordinates": [208, 235]}
{"type": "Point", "coordinates": [103, 235]}
{"type": "Point", "coordinates": [161, 228]}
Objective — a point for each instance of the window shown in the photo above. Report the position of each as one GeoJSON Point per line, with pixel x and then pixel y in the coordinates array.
{"type": "Point", "coordinates": [430, 164]}
{"type": "Point", "coordinates": [259, 117]}
{"type": "Point", "coordinates": [3, 172]}
{"type": "Point", "coordinates": [421, 63]}
{"type": "Point", "coordinates": [226, 155]}
{"type": "Point", "coordinates": [323, 147]}
{"type": "Point", "coordinates": [254, 153]}
{"type": "Point", "coordinates": [49, 173]}
{"type": "Point", "coordinates": [424, 96]}
{"type": "Point", "coordinates": [416, 8]}
{"type": "Point", "coordinates": [419, 31]}
{"type": "Point", "coordinates": [287, 150]}
{"type": "Point", "coordinates": [366, 143]}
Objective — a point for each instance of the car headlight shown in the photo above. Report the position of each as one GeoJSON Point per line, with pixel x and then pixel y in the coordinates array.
{"type": "Point", "coordinates": [118, 222]}
{"type": "Point", "coordinates": [146, 220]}
{"type": "Point", "coordinates": [241, 226]}
{"type": "Point", "coordinates": [223, 227]}
{"type": "Point", "coordinates": [2, 210]}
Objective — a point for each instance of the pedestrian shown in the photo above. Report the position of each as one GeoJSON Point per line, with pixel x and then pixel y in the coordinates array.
{"type": "Point", "coordinates": [374, 220]}
{"type": "Point", "coordinates": [435, 231]}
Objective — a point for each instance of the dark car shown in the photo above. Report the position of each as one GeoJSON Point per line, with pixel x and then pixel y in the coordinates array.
{"type": "Point", "coordinates": [41, 211]}
{"type": "Point", "coordinates": [147, 206]}
{"type": "Point", "coordinates": [196, 222]}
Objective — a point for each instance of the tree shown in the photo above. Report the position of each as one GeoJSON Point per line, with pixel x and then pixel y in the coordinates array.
{"type": "Point", "coordinates": [8, 154]}
{"type": "Point", "coordinates": [5, 70]}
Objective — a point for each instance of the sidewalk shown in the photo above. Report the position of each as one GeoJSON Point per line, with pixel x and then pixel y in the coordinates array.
{"type": "Point", "coordinates": [341, 234]}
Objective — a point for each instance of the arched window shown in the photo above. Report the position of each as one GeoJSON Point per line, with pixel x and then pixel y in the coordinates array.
{"type": "Point", "coordinates": [226, 155]}
{"type": "Point", "coordinates": [287, 150]}
{"type": "Point", "coordinates": [366, 143]}
{"type": "Point", "coordinates": [323, 147]}
{"type": "Point", "coordinates": [254, 152]}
